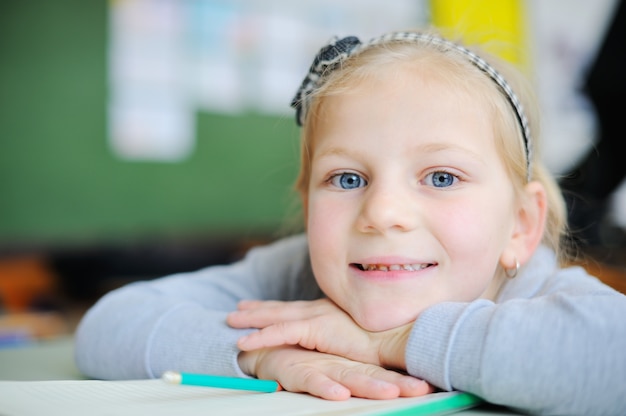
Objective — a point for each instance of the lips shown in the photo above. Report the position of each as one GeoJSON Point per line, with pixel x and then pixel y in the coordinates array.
{"type": "Point", "coordinates": [392, 267]}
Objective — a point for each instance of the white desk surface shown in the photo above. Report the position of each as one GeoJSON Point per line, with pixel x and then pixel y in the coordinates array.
{"type": "Point", "coordinates": [54, 360]}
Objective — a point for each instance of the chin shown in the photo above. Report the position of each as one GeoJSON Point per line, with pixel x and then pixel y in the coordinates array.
{"type": "Point", "coordinates": [380, 320]}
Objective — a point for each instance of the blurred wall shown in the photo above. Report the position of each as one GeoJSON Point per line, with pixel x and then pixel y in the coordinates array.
{"type": "Point", "coordinates": [59, 180]}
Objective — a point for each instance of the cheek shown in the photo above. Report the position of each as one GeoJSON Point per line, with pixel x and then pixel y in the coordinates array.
{"type": "Point", "coordinates": [323, 233]}
{"type": "Point", "coordinates": [327, 217]}
{"type": "Point", "coordinates": [319, 222]}
{"type": "Point", "coordinates": [458, 225]}
{"type": "Point", "coordinates": [474, 225]}
{"type": "Point", "coordinates": [327, 235]}
{"type": "Point", "coordinates": [473, 239]}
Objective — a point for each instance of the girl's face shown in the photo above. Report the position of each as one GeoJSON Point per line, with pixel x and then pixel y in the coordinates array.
{"type": "Point", "coordinates": [409, 203]}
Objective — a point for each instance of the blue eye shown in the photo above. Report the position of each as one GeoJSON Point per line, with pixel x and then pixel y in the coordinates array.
{"type": "Point", "coordinates": [348, 181]}
{"type": "Point", "coordinates": [441, 179]}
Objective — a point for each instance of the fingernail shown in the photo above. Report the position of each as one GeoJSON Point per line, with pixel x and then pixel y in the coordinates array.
{"type": "Point", "coordinates": [382, 384]}
{"type": "Point", "coordinates": [338, 392]}
{"type": "Point", "coordinates": [415, 383]}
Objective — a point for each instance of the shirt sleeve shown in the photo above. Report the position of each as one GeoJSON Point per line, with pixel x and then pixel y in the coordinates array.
{"type": "Point", "coordinates": [560, 351]}
{"type": "Point", "coordinates": [178, 322]}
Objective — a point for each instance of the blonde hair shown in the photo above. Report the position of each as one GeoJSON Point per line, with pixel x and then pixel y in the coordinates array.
{"type": "Point", "coordinates": [457, 71]}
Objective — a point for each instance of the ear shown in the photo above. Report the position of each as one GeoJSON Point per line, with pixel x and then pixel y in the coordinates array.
{"type": "Point", "coordinates": [530, 222]}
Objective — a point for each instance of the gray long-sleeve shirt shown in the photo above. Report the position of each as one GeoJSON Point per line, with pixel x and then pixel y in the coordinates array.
{"type": "Point", "coordinates": [554, 342]}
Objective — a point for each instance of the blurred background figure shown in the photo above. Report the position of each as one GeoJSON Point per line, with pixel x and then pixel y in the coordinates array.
{"type": "Point", "coordinates": [596, 188]}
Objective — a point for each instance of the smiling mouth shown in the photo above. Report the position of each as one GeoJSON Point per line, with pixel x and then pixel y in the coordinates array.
{"type": "Point", "coordinates": [392, 267]}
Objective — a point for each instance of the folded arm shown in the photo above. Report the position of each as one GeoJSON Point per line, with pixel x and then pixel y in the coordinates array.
{"type": "Point", "coordinates": [178, 322]}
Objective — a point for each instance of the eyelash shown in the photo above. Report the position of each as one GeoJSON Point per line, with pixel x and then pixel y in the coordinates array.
{"type": "Point", "coordinates": [455, 178]}
{"type": "Point", "coordinates": [337, 176]}
{"type": "Point", "coordinates": [332, 180]}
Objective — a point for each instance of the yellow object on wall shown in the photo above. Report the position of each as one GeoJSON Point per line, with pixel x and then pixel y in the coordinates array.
{"type": "Point", "coordinates": [499, 26]}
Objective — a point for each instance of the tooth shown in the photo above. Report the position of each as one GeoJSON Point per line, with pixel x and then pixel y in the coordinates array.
{"type": "Point", "coordinates": [394, 267]}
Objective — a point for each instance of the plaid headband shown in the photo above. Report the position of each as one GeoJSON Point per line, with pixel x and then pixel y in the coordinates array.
{"type": "Point", "coordinates": [338, 50]}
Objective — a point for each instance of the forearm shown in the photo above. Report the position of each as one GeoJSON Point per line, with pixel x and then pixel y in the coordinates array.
{"type": "Point", "coordinates": [179, 322]}
{"type": "Point", "coordinates": [138, 333]}
{"type": "Point", "coordinates": [557, 354]}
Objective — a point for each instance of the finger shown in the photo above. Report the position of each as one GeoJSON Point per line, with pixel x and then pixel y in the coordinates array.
{"type": "Point", "coordinates": [367, 386]}
{"type": "Point", "coordinates": [374, 382]}
{"type": "Point", "coordinates": [317, 384]}
{"type": "Point", "coordinates": [253, 304]}
{"type": "Point", "coordinates": [257, 318]}
{"type": "Point", "coordinates": [282, 333]}
{"type": "Point", "coordinates": [408, 386]}
{"type": "Point", "coordinates": [306, 306]}
{"type": "Point", "coordinates": [412, 387]}
{"type": "Point", "coordinates": [259, 314]}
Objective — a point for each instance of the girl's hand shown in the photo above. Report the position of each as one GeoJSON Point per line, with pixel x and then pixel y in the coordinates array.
{"type": "Point", "coordinates": [328, 376]}
{"type": "Point", "coordinates": [318, 325]}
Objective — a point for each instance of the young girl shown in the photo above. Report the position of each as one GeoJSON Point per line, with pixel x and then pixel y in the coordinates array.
{"type": "Point", "coordinates": [431, 256]}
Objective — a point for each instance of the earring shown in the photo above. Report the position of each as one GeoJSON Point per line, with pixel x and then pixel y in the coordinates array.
{"type": "Point", "coordinates": [511, 273]}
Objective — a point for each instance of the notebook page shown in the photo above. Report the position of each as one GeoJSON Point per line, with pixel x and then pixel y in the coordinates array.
{"type": "Point", "coordinates": [156, 398]}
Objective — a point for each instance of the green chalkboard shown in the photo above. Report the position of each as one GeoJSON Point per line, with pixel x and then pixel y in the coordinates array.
{"type": "Point", "coordinates": [61, 183]}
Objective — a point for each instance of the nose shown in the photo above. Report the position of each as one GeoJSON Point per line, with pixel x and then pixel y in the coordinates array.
{"type": "Point", "coordinates": [388, 208]}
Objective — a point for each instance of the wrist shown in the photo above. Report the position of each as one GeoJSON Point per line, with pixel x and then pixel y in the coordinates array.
{"type": "Point", "coordinates": [247, 361]}
{"type": "Point", "coordinates": [393, 347]}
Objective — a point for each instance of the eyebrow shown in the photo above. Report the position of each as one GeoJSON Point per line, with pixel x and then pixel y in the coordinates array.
{"type": "Point", "coordinates": [435, 147]}
{"type": "Point", "coordinates": [334, 151]}
{"type": "Point", "coordinates": [427, 148]}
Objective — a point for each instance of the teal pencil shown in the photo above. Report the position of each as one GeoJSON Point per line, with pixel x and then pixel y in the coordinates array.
{"type": "Point", "coordinates": [235, 383]}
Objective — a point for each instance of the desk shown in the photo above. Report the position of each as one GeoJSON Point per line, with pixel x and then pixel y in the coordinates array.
{"type": "Point", "coordinates": [54, 360]}
{"type": "Point", "coordinates": [44, 360]}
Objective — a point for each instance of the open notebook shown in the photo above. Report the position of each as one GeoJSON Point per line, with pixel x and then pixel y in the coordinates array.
{"type": "Point", "coordinates": [155, 398]}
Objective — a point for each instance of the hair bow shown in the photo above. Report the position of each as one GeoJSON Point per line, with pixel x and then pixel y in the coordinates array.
{"type": "Point", "coordinates": [326, 60]}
